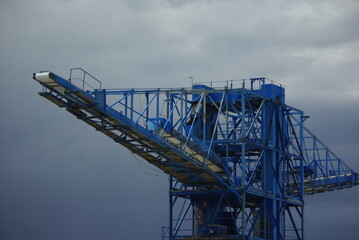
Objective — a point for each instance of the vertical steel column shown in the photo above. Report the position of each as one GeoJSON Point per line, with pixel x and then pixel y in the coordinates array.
{"type": "Point", "coordinates": [132, 107]}
{"type": "Point", "coordinates": [171, 109]}
{"type": "Point", "coordinates": [204, 116]}
{"type": "Point", "coordinates": [243, 161]}
{"type": "Point", "coordinates": [186, 113]}
{"type": "Point", "coordinates": [126, 104]}
{"type": "Point", "coordinates": [302, 222]}
{"type": "Point", "coordinates": [193, 217]}
{"type": "Point", "coordinates": [158, 111]}
{"type": "Point", "coordinates": [243, 133]}
{"type": "Point", "coordinates": [181, 121]}
{"type": "Point", "coordinates": [227, 128]}
{"type": "Point", "coordinates": [301, 142]}
{"type": "Point", "coordinates": [147, 108]}
{"type": "Point", "coordinates": [167, 106]}
{"type": "Point", "coordinates": [170, 207]}
{"type": "Point", "coordinates": [274, 172]}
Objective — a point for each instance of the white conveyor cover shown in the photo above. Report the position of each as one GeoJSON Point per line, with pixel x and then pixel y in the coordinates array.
{"type": "Point", "coordinates": [43, 77]}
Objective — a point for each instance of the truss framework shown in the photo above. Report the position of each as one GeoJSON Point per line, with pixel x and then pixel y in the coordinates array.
{"type": "Point", "coordinates": [239, 160]}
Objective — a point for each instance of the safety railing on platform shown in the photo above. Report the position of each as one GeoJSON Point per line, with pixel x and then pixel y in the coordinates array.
{"type": "Point", "coordinates": [249, 83]}
{"type": "Point", "coordinates": [84, 80]}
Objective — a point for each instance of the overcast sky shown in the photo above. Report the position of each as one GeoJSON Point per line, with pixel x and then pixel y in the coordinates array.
{"type": "Point", "coordinates": [60, 179]}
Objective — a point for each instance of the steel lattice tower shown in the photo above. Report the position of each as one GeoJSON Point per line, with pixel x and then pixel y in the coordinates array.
{"type": "Point", "coordinates": [239, 159]}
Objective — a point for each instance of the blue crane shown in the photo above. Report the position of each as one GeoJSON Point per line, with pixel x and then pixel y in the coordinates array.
{"type": "Point", "coordinates": [239, 159]}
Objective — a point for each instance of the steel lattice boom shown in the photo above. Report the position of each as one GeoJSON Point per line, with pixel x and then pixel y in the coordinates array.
{"type": "Point", "coordinates": [238, 158]}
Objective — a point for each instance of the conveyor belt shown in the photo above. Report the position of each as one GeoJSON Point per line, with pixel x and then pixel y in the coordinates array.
{"type": "Point", "coordinates": [187, 165]}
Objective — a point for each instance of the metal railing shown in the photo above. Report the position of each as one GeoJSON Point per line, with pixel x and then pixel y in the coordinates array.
{"type": "Point", "coordinates": [249, 83]}
{"type": "Point", "coordinates": [86, 79]}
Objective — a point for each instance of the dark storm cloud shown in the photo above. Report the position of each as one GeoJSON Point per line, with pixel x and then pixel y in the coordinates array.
{"type": "Point", "coordinates": [60, 179]}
